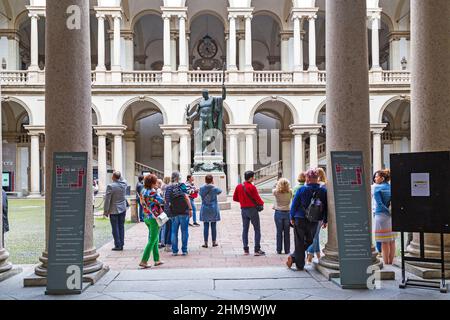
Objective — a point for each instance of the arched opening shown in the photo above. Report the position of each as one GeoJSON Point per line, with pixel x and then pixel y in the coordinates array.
{"type": "Point", "coordinates": [16, 148]}
{"type": "Point", "coordinates": [266, 42]}
{"type": "Point", "coordinates": [143, 140]}
{"type": "Point", "coordinates": [397, 135]}
{"type": "Point", "coordinates": [273, 144]}
{"type": "Point", "coordinates": [207, 48]}
{"type": "Point", "coordinates": [24, 28]}
{"type": "Point", "coordinates": [148, 42]}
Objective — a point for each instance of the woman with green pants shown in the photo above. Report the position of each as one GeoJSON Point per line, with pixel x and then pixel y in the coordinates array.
{"type": "Point", "coordinates": [152, 203]}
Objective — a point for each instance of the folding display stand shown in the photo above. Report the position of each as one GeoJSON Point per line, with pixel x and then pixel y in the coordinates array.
{"type": "Point", "coordinates": [441, 285]}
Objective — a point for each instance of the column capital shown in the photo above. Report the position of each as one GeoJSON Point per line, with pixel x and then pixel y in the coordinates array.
{"type": "Point", "coordinates": [301, 129]}
{"type": "Point", "coordinates": [300, 13]}
{"type": "Point", "coordinates": [286, 35]}
{"type": "Point", "coordinates": [114, 130]}
{"type": "Point", "coordinates": [109, 11]}
{"type": "Point", "coordinates": [286, 135]}
{"type": "Point", "coordinates": [378, 128]}
{"type": "Point", "coordinates": [35, 130]}
{"type": "Point", "coordinates": [168, 12]}
{"type": "Point", "coordinates": [10, 34]}
{"type": "Point", "coordinates": [241, 12]}
{"type": "Point", "coordinates": [398, 35]}
{"type": "Point", "coordinates": [130, 136]}
{"type": "Point", "coordinates": [127, 34]}
{"type": "Point", "coordinates": [117, 15]}
{"type": "Point", "coordinates": [100, 15]}
{"type": "Point", "coordinates": [176, 130]}
{"type": "Point", "coordinates": [36, 11]}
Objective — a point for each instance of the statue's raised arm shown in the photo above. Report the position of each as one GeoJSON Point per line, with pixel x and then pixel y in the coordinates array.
{"type": "Point", "coordinates": [191, 112]}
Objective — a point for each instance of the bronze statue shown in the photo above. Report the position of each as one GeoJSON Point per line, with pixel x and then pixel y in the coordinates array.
{"type": "Point", "coordinates": [210, 116]}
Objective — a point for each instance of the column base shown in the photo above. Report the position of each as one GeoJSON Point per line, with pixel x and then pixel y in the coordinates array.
{"type": "Point", "coordinates": [35, 280]}
{"type": "Point", "coordinates": [167, 76]}
{"type": "Point", "coordinates": [313, 75]}
{"type": "Point", "coordinates": [328, 265]}
{"type": "Point", "coordinates": [182, 76]}
{"type": "Point", "coordinates": [10, 273]}
{"type": "Point", "coordinates": [422, 271]}
{"type": "Point", "coordinates": [34, 195]}
{"type": "Point", "coordinates": [298, 77]}
{"type": "Point", "coordinates": [233, 76]}
{"type": "Point", "coordinates": [93, 269]}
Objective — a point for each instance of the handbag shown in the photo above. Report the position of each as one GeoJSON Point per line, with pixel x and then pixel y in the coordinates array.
{"type": "Point", "coordinates": [257, 206]}
{"type": "Point", "coordinates": [158, 214]}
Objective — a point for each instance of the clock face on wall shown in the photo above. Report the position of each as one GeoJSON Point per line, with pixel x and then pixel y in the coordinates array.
{"type": "Point", "coordinates": [207, 48]}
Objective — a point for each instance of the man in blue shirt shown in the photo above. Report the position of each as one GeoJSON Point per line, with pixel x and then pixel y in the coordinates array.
{"type": "Point", "coordinates": [304, 230]}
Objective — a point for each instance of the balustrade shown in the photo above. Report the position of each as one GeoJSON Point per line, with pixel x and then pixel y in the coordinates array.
{"type": "Point", "coordinates": [11, 78]}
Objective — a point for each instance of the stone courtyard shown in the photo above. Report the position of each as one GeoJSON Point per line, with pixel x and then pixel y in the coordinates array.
{"type": "Point", "coordinates": [215, 273]}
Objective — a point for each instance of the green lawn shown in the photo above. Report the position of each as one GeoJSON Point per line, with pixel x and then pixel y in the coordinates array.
{"type": "Point", "coordinates": [25, 241]}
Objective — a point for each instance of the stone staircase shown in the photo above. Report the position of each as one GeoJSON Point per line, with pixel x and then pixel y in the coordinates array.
{"type": "Point", "coordinates": [266, 177]}
{"type": "Point", "coordinates": [140, 167]}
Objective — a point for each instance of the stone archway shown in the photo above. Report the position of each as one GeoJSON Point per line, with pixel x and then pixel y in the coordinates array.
{"type": "Point", "coordinates": [274, 139]}
{"type": "Point", "coordinates": [143, 139]}
{"type": "Point", "coordinates": [396, 114]}
{"type": "Point", "coordinates": [16, 147]}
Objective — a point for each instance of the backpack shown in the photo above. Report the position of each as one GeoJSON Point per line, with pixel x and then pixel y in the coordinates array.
{"type": "Point", "coordinates": [178, 205]}
{"type": "Point", "coordinates": [314, 212]}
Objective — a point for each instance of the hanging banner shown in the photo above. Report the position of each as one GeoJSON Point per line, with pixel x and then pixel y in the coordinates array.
{"type": "Point", "coordinates": [352, 218]}
{"type": "Point", "coordinates": [67, 221]}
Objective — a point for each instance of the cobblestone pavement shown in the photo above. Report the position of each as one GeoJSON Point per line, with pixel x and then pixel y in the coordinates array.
{"type": "Point", "coordinates": [228, 254]}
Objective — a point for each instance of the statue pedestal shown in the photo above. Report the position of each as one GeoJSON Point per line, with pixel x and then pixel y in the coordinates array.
{"type": "Point", "coordinates": [211, 164]}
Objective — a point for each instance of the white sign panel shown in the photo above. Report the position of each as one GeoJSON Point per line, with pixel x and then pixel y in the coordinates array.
{"type": "Point", "coordinates": [420, 184]}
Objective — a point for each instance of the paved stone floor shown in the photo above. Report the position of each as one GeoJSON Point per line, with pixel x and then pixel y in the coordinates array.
{"type": "Point", "coordinates": [213, 273]}
{"type": "Point", "coordinates": [228, 254]}
{"type": "Point", "coordinates": [255, 283]}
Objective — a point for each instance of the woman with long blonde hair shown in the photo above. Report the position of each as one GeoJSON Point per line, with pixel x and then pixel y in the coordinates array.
{"type": "Point", "coordinates": [282, 205]}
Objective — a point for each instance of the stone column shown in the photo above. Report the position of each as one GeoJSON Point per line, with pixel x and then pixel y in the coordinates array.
{"type": "Point", "coordinates": [313, 149]}
{"type": "Point", "coordinates": [34, 165]}
{"type": "Point", "coordinates": [167, 68]}
{"type": "Point", "coordinates": [241, 42]}
{"type": "Point", "coordinates": [101, 161]}
{"type": "Point", "coordinates": [117, 41]}
{"type": "Point", "coordinates": [34, 65]}
{"type": "Point", "coordinates": [233, 165]}
{"type": "Point", "coordinates": [377, 132]}
{"type": "Point", "coordinates": [118, 152]}
{"type": "Point", "coordinates": [184, 154]}
{"type": "Point", "coordinates": [250, 149]}
{"type": "Point", "coordinates": [285, 52]}
{"type": "Point", "coordinates": [248, 49]}
{"type": "Point", "coordinates": [286, 154]}
{"type": "Point", "coordinates": [173, 51]}
{"type": "Point", "coordinates": [312, 42]}
{"type": "Point", "coordinates": [68, 96]}
{"type": "Point", "coordinates": [299, 153]}
{"type": "Point", "coordinates": [347, 100]}
{"type": "Point", "coordinates": [130, 158]}
{"type": "Point", "coordinates": [5, 266]}
{"type": "Point", "coordinates": [298, 52]}
{"type": "Point", "coordinates": [167, 154]}
{"type": "Point", "coordinates": [232, 44]}
{"type": "Point", "coordinates": [430, 97]}
{"type": "Point", "coordinates": [182, 44]}
{"type": "Point", "coordinates": [101, 42]}
{"type": "Point", "coordinates": [375, 21]}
